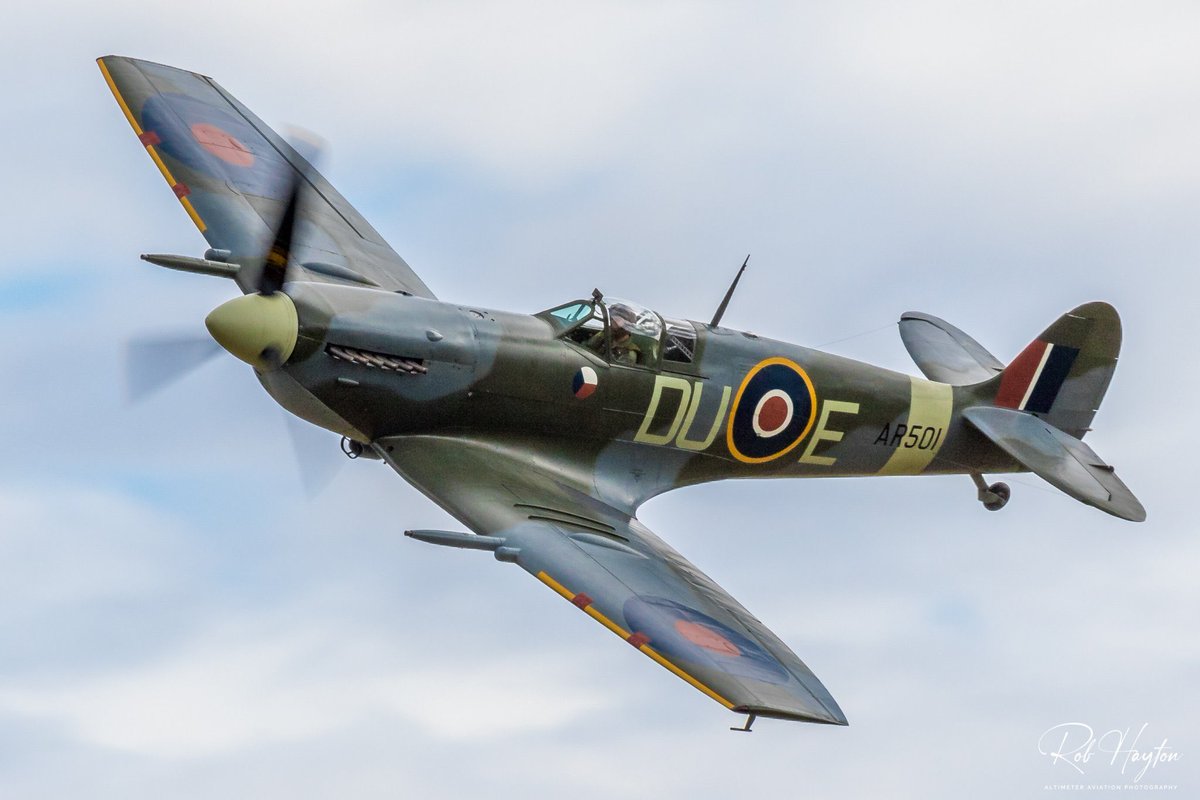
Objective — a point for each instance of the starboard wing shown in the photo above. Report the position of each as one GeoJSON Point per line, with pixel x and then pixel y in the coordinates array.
{"type": "Point", "coordinates": [232, 174]}
{"type": "Point", "coordinates": [547, 518]}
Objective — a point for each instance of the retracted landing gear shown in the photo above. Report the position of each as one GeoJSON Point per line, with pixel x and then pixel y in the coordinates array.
{"type": "Point", "coordinates": [994, 497]}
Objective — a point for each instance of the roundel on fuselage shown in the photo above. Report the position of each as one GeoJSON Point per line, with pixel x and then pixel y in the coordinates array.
{"type": "Point", "coordinates": [773, 411]}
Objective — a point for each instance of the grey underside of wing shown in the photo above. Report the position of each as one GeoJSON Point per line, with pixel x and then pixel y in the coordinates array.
{"type": "Point", "coordinates": [236, 173]}
{"type": "Point", "coordinates": [944, 353]}
{"type": "Point", "coordinates": [618, 572]}
{"type": "Point", "coordinates": [1060, 459]}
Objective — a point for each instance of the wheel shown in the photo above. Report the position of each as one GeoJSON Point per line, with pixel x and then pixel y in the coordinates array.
{"type": "Point", "coordinates": [1001, 492]}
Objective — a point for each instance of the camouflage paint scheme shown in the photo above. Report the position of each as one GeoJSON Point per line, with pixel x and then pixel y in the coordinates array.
{"type": "Point", "coordinates": [545, 447]}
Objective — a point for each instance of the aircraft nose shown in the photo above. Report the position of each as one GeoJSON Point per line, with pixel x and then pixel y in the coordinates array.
{"type": "Point", "coordinates": [259, 329]}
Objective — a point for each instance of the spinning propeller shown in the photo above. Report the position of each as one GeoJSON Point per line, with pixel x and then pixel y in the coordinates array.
{"type": "Point", "coordinates": [260, 328]}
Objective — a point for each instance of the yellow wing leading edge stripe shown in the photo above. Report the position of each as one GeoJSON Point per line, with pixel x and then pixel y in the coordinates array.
{"type": "Point", "coordinates": [589, 608]}
{"type": "Point", "coordinates": [179, 189]}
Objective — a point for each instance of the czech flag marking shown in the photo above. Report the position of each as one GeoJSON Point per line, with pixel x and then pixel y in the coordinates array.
{"type": "Point", "coordinates": [585, 382]}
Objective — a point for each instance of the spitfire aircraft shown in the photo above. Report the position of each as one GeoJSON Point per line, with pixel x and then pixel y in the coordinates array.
{"type": "Point", "coordinates": [543, 433]}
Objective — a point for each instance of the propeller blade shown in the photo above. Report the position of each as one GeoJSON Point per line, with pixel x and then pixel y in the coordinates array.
{"type": "Point", "coordinates": [152, 363]}
{"type": "Point", "coordinates": [307, 150]}
{"type": "Point", "coordinates": [274, 269]}
{"type": "Point", "coordinates": [308, 145]}
{"type": "Point", "coordinates": [318, 456]}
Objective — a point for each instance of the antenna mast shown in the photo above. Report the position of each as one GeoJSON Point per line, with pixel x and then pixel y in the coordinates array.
{"type": "Point", "coordinates": [716, 320]}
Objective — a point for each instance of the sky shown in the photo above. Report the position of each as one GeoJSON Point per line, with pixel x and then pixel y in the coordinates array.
{"type": "Point", "coordinates": [178, 619]}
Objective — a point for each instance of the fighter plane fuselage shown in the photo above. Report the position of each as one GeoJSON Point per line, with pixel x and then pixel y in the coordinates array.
{"type": "Point", "coordinates": [390, 365]}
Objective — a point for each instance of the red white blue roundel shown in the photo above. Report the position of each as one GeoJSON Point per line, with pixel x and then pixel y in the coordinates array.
{"type": "Point", "coordinates": [218, 144]}
{"type": "Point", "coordinates": [773, 411]}
{"type": "Point", "coordinates": [684, 634]}
{"type": "Point", "coordinates": [772, 414]}
{"type": "Point", "coordinates": [585, 382]}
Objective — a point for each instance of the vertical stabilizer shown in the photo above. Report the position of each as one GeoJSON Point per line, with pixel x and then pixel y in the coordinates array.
{"type": "Point", "coordinates": [1063, 374]}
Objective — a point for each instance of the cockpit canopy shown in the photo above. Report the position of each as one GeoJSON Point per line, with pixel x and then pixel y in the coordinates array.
{"type": "Point", "coordinates": [624, 332]}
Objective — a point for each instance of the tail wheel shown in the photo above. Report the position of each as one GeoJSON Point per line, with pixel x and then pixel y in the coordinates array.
{"type": "Point", "coordinates": [999, 496]}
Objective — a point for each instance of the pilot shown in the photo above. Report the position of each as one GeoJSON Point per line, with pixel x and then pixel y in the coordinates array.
{"type": "Point", "coordinates": [625, 350]}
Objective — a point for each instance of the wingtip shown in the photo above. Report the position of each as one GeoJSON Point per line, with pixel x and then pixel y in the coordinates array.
{"type": "Point", "coordinates": [105, 62]}
{"type": "Point", "coordinates": [836, 716]}
{"type": "Point", "coordinates": [824, 716]}
{"type": "Point", "coordinates": [1134, 513]}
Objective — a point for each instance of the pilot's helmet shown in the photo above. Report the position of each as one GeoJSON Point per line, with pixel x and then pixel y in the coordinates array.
{"type": "Point", "coordinates": [622, 315]}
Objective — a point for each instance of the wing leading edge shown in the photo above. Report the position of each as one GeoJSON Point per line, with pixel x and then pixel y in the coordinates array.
{"type": "Point", "coordinates": [232, 174]}
{"type": "Point", "coordinates": [615, 570]}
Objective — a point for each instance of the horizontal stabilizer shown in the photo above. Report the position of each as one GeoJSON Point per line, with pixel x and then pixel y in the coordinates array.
{"type": "Point", "coordinates": [1061, 460]}
{"type": "Point", "coordinates": [944, 353]}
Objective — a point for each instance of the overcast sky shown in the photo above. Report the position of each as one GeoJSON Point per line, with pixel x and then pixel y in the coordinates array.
{"type": "Point", "coordinates": [178, 620]}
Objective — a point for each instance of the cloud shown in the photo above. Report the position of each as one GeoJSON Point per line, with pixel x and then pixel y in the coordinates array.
{"type": "Point", "coordinates": [253, 684]}
{"type": "Point", "coordinates": [77, 546]}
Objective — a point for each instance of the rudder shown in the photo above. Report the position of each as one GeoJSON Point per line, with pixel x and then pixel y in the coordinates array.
{"type": "Point", "coordinates": [1064, 373]}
